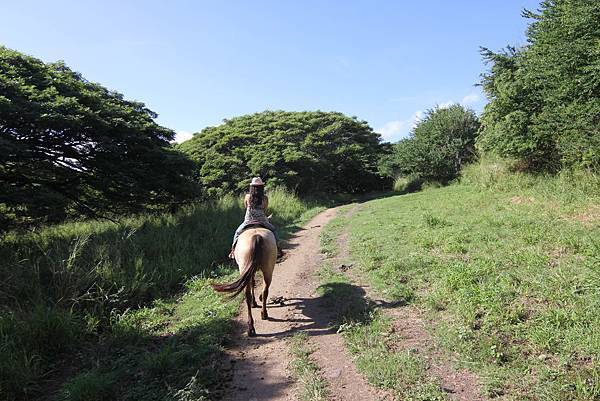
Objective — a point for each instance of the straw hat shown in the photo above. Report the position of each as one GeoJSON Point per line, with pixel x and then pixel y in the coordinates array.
{"type": "Point", "coordinates": [257, 182]}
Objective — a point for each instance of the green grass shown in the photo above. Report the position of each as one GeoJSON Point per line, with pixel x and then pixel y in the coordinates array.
{"type": "Point", "coordinates": [403, 372]}
{"type": "Point", "coordinates": [91, 386]}
{"type": "Point", "coordinates": [96, 285]}
{"type": "Point", "coordinates": [307, 373]}
{"type": "Point", "coordinates": [370, 339]}
{"type": "Point", "coordinates": [507, 265]}
{"type": "Point", "coordinates": [155, 352]}
{"type": "Point", "coordinates": [329, 235]}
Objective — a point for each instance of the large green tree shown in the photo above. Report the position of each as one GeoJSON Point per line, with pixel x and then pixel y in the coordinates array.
{"type": "Point", "coordinates": [437, 148]}
{"type": "Point", "coordinates": [544, 104]}
{"type": "Point", "coordinates": [308, 151]}
{"type": "Point", "coordinates": [69, 147]}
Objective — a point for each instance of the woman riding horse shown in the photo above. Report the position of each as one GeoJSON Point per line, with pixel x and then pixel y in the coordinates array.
{"type": "Point", "coordinates": [256, 204]}
{"type": "Point", "coordinates": [254, 247]}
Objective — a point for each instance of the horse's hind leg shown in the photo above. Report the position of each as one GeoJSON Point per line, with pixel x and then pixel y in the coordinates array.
{"type": "Point", "coordinates": [249, 296]}
{"type": "Point", "coordinates": [265, 295]}
{"type": "Point", "coordinates": [254, 304]}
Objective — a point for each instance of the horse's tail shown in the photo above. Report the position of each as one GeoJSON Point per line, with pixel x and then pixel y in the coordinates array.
{"type": "Point", "coordinates": [245, 278]}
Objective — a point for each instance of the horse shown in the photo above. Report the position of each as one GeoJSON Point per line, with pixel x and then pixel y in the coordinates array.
{"type": "Point", "coordinates": [256, 248]}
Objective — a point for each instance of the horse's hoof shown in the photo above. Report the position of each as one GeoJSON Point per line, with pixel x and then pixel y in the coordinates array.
{"type": "Point", "coordinates": [254, 304]}
{"type": "Point", "coordinates": [264, 315]}
{"type": "Point", "coordinates": [251, 332]}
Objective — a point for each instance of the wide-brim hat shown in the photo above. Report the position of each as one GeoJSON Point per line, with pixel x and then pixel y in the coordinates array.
{"type": "Point", "coordinates": [257, 182]}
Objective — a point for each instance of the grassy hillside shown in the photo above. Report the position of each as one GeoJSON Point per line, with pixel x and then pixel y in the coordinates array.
{"type": "Point", "coordinates": [506, 266]}
{"type": "Point", "coordinates": [102, 288]}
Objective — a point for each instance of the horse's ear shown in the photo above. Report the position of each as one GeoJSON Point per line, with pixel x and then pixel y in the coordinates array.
{"type": "Point", "coordinates": [270, 216]}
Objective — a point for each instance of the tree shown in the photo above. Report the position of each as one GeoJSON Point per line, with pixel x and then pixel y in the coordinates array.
{"type": "Point", "coordinates": [69, 147]}
{"type": "Point", "coordinates": [544, 104]}
{"type": "Point", "coordinates": [308, 151]}
{"type": "Point", "coordinates": [441, 143]}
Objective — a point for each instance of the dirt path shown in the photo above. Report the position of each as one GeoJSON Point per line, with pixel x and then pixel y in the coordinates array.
{"type": "Point", "coordinates": [260, 364]}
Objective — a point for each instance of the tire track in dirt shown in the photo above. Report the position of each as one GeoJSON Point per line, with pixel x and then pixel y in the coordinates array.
{"type": "Point", "coordinates": [260, 364]}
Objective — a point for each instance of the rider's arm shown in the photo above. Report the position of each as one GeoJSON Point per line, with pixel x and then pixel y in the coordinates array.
{"type": "Point", "coordinates": [266, 203]}
{"type": "Point", "coordinates": [246, 200]}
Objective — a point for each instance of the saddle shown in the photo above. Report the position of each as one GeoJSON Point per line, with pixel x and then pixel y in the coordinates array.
{"type": "Point", "coordinates": [254, 224]}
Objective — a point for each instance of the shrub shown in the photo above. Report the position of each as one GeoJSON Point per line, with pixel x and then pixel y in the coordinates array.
{"type": "Point", "coordinates": [29, 338]}
{"type": "Point", "coordinates": [501, 175]}
{"type": "Point", "coordinates": [90, 386]}
{"type": "Point", "coordinates": [407, 184]}
{"type": "Point", "coordinates": [441, 143]}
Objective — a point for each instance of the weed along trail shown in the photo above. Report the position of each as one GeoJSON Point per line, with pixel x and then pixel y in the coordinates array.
{"type": "Point", "coordinates": [262, 366]}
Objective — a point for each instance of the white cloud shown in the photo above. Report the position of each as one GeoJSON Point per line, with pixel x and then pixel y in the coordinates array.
{"type": "Point", "coordinates": [470, 99]}
{"type": "Point", "coordinates": [395, 130]}
{"type": "Point", "coordinates": [182, 136]}
{"type": "Point", "coordinates": [392, 128]}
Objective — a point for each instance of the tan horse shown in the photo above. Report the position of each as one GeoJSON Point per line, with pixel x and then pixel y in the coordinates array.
{"type": "Point", "coordinates": [256, 248]}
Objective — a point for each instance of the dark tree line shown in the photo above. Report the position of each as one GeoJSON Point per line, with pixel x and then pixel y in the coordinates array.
{"type": "Point", "coordinates": [71, 148]}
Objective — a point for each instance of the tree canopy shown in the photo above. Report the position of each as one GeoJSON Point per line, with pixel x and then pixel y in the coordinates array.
{"type": "Point", "coordinates": [69, 147]}
{"type": "Point", "coordinates": [309, 151]}
{"type": "Point", "coordinates": [440, 144]}
{"type": "Point", "coordinates": [544, 104]}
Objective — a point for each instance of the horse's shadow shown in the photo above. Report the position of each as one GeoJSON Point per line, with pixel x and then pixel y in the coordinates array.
{"type": "Point", "coordinates": [338, 303]}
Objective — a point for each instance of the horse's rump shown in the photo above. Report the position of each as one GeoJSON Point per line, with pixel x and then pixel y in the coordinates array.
{"type": "Point", "coordinates": [256, 249]}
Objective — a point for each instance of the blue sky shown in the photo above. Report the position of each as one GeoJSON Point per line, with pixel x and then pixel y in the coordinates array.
{"type": "Point", "coordinates": [198, 62]}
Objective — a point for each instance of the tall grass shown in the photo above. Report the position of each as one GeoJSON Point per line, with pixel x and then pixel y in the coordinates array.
{"type": "Point", "coordinates": [65, 282]}
{"type": "Point", "coordinates": [128, 263]}
{"type": "Point", "coordinates": [503, 175]}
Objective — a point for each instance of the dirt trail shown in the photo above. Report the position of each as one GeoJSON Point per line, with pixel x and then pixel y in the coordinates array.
{"type": "Point", "coordinates": [260, 364]}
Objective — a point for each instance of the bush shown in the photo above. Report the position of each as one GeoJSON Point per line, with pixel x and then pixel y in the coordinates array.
{"type": "Point", "coordinates": [505, 175]}
{"type": "Point", "coordinates": [27, 339]}
{"type": "Point", "coordinates": [441, 143]}
{"type": "Point", "coordinates": [407, 184]}
{"type": "Point", "coordinates": [90, 386]}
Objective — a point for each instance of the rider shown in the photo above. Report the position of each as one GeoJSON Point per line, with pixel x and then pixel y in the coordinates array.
{"type": "Point", "coordinates": [256, 204]}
